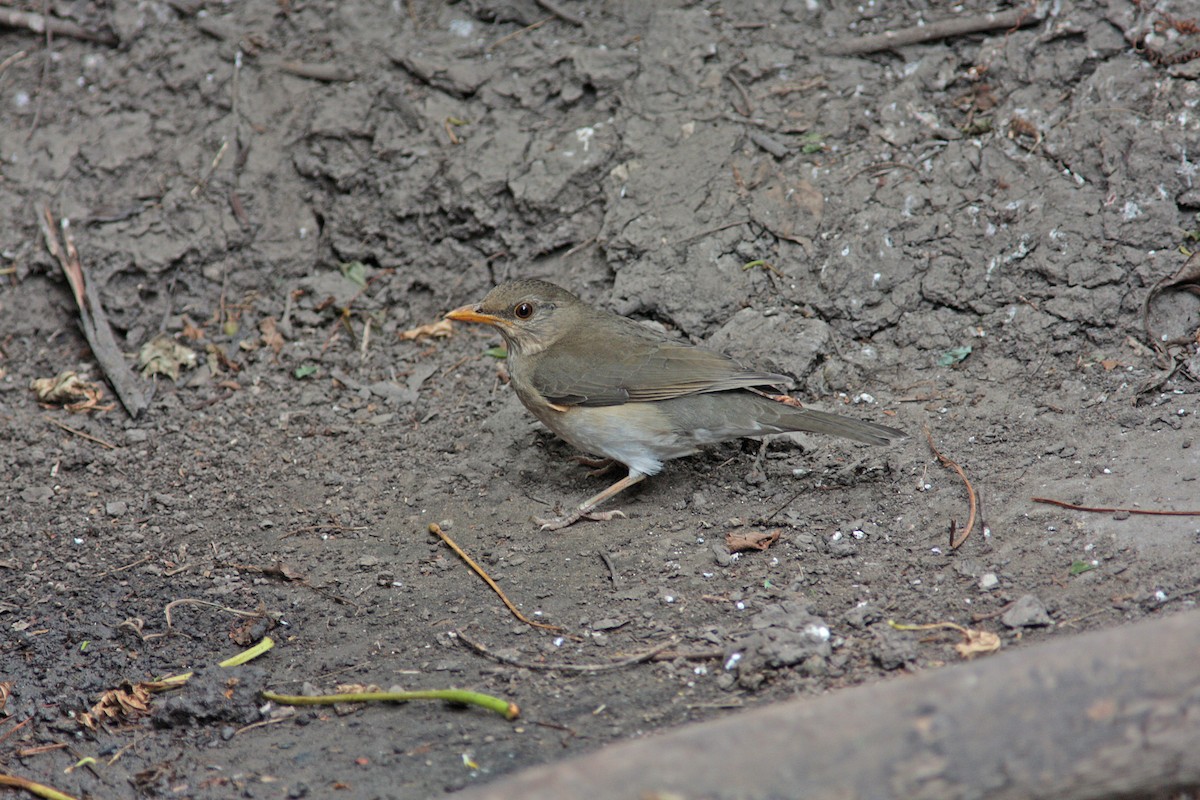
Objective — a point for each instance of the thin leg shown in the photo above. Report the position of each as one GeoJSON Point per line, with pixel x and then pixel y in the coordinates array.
{"type": "Point", "coordinates": [585, 509]}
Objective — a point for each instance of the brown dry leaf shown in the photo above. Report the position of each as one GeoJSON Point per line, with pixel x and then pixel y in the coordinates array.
{"type": "Point", "coordinates": [190, 331]}
{"type": "Point", "coordinates": [751, 540]}
{"type": "Point", "coordinates": [978, 643]}
{"type": "Point", "coordinates": [218, 360]}
{"type": "Point", "coordinates": [70, 391]}
{"type": "Point", "coordinates": [356, 688]}
{"type": "Point", "coordinates": [162, 355]}
{"type": "Point", "coordinates": [975, 643]}
{"type": "Point", "coordinates": [116, 704]}
{"type": "Point", "coordinates": [786, 399]}
{"type": "Point", "coordinates": [436, 330]}
{"type": "Point", "coordinates": [272, 338]}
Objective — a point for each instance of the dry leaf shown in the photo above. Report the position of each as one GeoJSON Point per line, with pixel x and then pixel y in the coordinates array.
{"type": "Point", "coordinates": [751, 540]}
{"type": "Point", "coordinates": [162, 355]}
{"type": "Point", "coordinates": [70, 391]}
{"type": "Point", "coordinates": [786, 399]}
{"type": "Point", "coordinates": [190, 331]}
{"type": "Point", "coordinates": [978, 643]}
{"type": "Point", "coordinates": [116, 704]}
{"type": "Point", "coordinates": [975, 643]}
{"type": "Point", "coordinates": [218, 360]}
{"type": "Point", "coordinates": [437, 330]}
{"type": "Point", "coordinates": [272, 338]}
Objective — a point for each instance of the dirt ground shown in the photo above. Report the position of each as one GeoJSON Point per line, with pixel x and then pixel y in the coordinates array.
{"type": "Point", "coordinates": [959, 235]}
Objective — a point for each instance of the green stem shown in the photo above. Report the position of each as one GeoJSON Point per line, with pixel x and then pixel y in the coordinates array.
{"type": "Point", "coordinates": [39, 789]}
{"type": "Point", "coordinates": [501, 706]}
{"type": "Point", "coordinates": [246, 655]}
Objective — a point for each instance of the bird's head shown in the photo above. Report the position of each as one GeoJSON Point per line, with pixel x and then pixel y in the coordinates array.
{"type": "Point", "coordinates": [531, 315]}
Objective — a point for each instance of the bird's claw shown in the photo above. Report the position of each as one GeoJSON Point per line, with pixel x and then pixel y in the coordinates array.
{"type": "Point", "coordinates": [558, 523]}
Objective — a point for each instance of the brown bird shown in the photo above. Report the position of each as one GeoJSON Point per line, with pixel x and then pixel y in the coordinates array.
{"type": "Point", "coordinates": [613, 387]}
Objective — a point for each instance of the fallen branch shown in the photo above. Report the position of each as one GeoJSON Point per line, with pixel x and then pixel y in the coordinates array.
{"type": "Point", "coordinates": [92, 318]}
{"type": "Point", "coordinates": [973, 498]}
{"type": "Point", "coordinates": [1103, 510]}
{"type": "Point", "coordinates": [943, 29]}
{"type": "Point", "coordinates": [81, 434]}
{"type": "Point", "coordinates": [482, 650]}
{"type": "Point", "coordinates": [436, 530]}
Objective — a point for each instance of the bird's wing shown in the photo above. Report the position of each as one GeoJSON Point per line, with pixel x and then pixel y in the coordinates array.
{"type": "Point", "coordinates": [631, 366]}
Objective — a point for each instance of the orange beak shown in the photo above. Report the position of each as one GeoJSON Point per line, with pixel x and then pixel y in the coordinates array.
{"type": "Point", "coordinates": [472, 313]}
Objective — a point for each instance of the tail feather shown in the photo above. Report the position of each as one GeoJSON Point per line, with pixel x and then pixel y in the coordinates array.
{"type": "Point", "coordinates": [809, 419]}
{"type": "Point", "coordinates": [720, 416]}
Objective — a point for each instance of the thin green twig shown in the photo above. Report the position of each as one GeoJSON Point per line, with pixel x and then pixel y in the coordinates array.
{"type": "Point", "coordinates": [39, 789]}
{"type": "Point", "coordinates": [505, 708]}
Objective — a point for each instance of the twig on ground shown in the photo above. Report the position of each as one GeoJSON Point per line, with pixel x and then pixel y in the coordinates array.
{"type": "Point", "coordinates": [41, 23]}
{"type": "Point", "coordinates": [92, 318]}
{"type": "Point", "coordinates": [15, 728]}
{"type": "Point", "coordinates": [647, 655]}
{"type": "Point", "coordinates": [515, 34]}
{"type": "Point", "coordinates": [973, 498]}
{"type": "Point", "coordinates": [81, 434]}
{"type": "Point", "coordinates": [560, 12]}
{"type": "Point", "coordinates": [943, 29]}
{"type": "Point", "coordinates": [327, 73]}
{"type": "Point", "coordinates": [212, 167]}
{"type": "Point", "coordinates": [14, 58]}
{"type": "Point", "coordinates": [38, 789]}
{"type": "Point", "coordinates": [747, 109]}
{"type": "Point", "coordinates": [436, 530]}
{"type": "Point", "coordinates": [130, 565]}
{"type": "Point", "coordinates": [197, 602]}
{"type": "Point", "coordinates": [26, 752]}
{"type": "Point", "coordinates": [505, 708]}
{"type": "Point", "coordinates": [1116, 510]}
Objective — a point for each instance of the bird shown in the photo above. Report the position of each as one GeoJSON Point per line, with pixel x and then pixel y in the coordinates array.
{"type": "Point", "coordinates": [616, 388]}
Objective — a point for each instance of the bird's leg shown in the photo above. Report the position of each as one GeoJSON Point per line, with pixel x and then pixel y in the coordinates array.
{"type": "Point", "coordinates": [586, 508]}
{"type": "Point", "coordinates": [596, 466]}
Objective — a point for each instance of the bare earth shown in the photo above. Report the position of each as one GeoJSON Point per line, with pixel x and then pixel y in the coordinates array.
{"type": "Point", "coordinates": [958, 236]}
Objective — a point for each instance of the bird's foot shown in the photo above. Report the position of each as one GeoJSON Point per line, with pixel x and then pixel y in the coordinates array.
{"type": "Point", "coordinates": [558, 523]}
{"type": "Point", "coordinates": [596, 466]}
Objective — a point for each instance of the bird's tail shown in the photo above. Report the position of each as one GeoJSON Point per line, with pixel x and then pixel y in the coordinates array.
{"type": "Point", "coordinates": [795, 418]}
{"type": "Point", "coordinates": [721, 416]}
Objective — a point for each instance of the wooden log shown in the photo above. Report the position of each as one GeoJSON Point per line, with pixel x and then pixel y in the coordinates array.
{"type": "Point", "coordinates": [1109, 714]}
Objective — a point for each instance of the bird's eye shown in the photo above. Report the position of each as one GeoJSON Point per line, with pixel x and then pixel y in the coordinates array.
{"type": "Point", "coordinates": [523, 310]}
